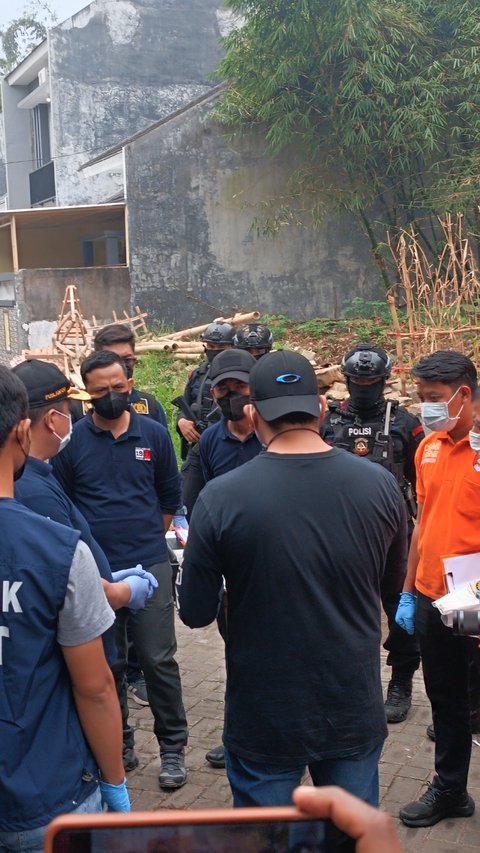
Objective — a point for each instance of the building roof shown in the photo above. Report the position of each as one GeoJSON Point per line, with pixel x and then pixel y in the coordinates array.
{"type": "Point", "coordinates": [38, 216]}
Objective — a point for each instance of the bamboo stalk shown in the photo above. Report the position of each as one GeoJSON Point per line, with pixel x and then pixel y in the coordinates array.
{"type": "Point", "coordinates": [234, 321]}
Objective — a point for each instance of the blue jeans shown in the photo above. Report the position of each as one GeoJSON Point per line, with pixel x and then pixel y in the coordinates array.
{"type": "Point", "coordinates": [31, 840]}
{"type": "Point", "coordinates": [255, 784]}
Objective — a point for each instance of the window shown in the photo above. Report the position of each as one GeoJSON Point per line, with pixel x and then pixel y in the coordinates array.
{"type": "Point", "coordinates": [41, 134]}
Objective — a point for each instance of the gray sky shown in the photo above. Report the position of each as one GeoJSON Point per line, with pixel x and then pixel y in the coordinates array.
{"type": "Point", "coordinates": [11, 9]}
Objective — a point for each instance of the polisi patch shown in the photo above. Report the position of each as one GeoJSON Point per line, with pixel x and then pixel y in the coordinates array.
{"type": "Point", "coordinates": [143, 453]}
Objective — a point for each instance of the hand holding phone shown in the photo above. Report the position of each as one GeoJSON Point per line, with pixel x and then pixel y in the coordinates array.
{"type": "Point", "coordinates": [372, 830]}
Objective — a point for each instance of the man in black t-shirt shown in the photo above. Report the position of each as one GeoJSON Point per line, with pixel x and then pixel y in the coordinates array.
{"type": "Point", "coordinates": [302, 534]}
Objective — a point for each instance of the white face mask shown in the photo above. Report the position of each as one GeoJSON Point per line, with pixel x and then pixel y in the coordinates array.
{"type": "Point", "coordinates": [435, 416]}
{"type": "Point", "coordinates": [474, 439]}
{"type": "Point", "coordinates": [66, 438]}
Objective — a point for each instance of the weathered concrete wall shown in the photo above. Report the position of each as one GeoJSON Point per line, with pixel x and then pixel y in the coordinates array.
{"type": "Point", "coordinates": [101, 290]}
{"type": "Point", "coordinates": [115, 68]}
{"type": "Point", "coordinates": [3, 174]}
{"type": "Point", "coordinates": [192, 251]}
{"type": "Point", "coordinates": [39, 296]}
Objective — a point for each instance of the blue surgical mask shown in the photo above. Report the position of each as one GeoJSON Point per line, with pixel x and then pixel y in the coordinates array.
{"type": "Point", "coordinates": [435, 416]}
{"type": "Point", "coordinates": [66, 438]}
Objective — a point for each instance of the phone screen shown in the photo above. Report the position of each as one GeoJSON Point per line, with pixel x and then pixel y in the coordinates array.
{"type": "Point", "coordinates": [285, 836]}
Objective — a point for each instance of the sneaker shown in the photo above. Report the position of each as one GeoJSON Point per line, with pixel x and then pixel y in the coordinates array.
{"type": "Point", "coordinates": [431, 731]}
{"type": "Point", "coordinates": [216, 756]}
{"type": "Point", "coordinates": [399, 699]}
{"type": "Point", "coordinates": [130, 760]}
{"type": "Point", "coordinates": [435, 805]}
{"type": "Point", "coordinates": [172, 770]}
{"type": "Point", "coordinates": [138, 691]}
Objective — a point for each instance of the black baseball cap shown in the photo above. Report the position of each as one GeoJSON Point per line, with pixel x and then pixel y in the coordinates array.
{"type": "Point", "coordinates": [231, 364]}
{"type": "Point", "coordinates": [44, 381]}
{"type": "Point", "coordinates": [283, 382]}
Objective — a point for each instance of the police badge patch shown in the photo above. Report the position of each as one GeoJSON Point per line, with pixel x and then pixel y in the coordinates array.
{"type": "Point", "coordinates": [361, 446]}
{"type": "Point", "coordinates": [141, 406]}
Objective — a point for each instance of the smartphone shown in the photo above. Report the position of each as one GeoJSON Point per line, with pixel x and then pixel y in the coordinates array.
{"type": "Point", "coordinates": [253, 830]}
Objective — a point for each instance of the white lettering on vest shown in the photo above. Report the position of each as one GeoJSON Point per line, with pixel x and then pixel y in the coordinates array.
{"type": "Point", "coordinates": [4, 632]}
{"type": "Point", "coordinates": [9, 596]}
{"type": "Point", "coordinates": [359, 431]}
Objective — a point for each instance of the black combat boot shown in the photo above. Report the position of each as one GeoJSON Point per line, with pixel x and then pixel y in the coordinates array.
{"type": "Point", "coordinates": [399, 699]}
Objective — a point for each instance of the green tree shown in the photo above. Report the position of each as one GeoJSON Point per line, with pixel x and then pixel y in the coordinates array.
{"type": "Point", "coordinates": [381, 97]}
{"type": "Point", "coordinates": [24, 33]}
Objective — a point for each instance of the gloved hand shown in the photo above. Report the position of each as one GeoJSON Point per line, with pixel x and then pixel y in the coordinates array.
{"type": "Point", "coordinates": [141, 590]}
{"type": "Point", "coordinates": [124, 573]}
{"type": "Point", "coordinates": [405, 615]}
{"type": "Point", "coordinates": [180, 521]}
{"type": "Point", "coordinates": [115, 797]}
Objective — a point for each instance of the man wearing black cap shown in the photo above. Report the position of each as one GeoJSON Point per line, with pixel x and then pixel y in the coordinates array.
{"type": "Point", "coordinates": [231, 441]}
{"type": "Point", "coordinates": [302, 534]}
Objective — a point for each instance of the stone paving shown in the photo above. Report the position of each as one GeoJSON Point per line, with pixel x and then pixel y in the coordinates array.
{"type": "Point", "coordinates": [405, 766]}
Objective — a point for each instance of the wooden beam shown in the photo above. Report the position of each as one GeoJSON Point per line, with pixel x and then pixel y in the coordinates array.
{"type": "Point", "coordinates": [13, 235]}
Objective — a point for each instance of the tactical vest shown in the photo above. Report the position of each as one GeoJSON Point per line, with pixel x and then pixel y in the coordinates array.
{"type": "Point", "coordinates": [363, 437]}
{"type": "Point", "coordinates": [46, 765]}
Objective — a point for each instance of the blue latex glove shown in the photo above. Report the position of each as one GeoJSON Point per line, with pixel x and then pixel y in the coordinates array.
{"type": "Point", "coordinates": [405, 615]}
{"type": "Point", "coordinates": [180, 521]}
{"type": "Point", "coordinates": [115, 797]}
{"type": "Point", "coordinates": [141, 590]}
{"type": "Point", "coordinates": [124, 573]}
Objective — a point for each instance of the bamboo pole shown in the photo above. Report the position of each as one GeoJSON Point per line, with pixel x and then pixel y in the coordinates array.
{"type": "Point", "coordinates": [398, 342]}
{"type": "Point", "coordinates": [234, 321]}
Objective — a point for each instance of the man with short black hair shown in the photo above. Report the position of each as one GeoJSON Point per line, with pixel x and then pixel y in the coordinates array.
{"type": "Point", "coordinates": [231, 441]}
{"type": "Point", "coordinates": [448, 524]}
{"type": "Point", "coordinates": [60, 723]}
{"type": "Point", "coordinates": [302, 534]}
{"type": "Point", "coordinates": [120, 470]}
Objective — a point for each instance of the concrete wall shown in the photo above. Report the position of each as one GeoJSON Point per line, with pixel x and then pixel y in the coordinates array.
{"type": "Point", "coordinates": [39, 297]}
{"type": "Point", "coordinates": [115, 68]}
{"type": "Point", "coordinates": [100, 290]}
{"type": "Point", "coordinates": [193, 255]}
{"type": "Point", "coordinates": [18, 145]}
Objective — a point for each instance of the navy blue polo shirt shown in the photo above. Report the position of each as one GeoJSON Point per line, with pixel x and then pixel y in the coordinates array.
{"type": "Point", "coordinates": [147, 404]}
{"type": "Point", "coordinates": [122, 485]}
{"type": "Point", "coordinates": [41, 492]}
{"type": "Point", "coordinates": [221, 451]}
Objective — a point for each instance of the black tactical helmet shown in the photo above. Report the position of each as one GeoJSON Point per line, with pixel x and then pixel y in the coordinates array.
{"type": "Point", "coordinates": [367, 361]}
{"type": "Point", "coordinates": [253, 336]}
{"type": "Point", "coordinates": [218, 333]}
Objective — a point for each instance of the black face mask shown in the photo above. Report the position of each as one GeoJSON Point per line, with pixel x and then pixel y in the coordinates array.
{"type": "Point", "coordinates": [111, 405]}
{"type": "Point", "coordinates": [232, 405]}
{"type": "Point", "coordinates": [210, 354]}
{"type": "Point", "coordinates": [363, 398]}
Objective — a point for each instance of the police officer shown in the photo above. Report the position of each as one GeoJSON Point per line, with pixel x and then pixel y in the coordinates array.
{"type": "Point", "coordinates": [368, 425]}
{"type": "Point", "coordinates": [216, 337]}
{"type": "Point", "coordinates": [254, 337]}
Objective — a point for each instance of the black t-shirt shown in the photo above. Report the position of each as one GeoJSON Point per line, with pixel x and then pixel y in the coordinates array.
{"type": "Point", "coordinates": [302, 541]}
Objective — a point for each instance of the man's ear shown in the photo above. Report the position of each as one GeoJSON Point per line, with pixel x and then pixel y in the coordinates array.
{"type": "Point", "coordinates": [323, 406]}
{"type": "Point", "coordinates": [130, 385]}
{"type": "Point", "coordinates": [22, 431]}
{"type": "Point", "coordinates": [250, 413]}
{"type": "Point", "coordinates": [48, 420]}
